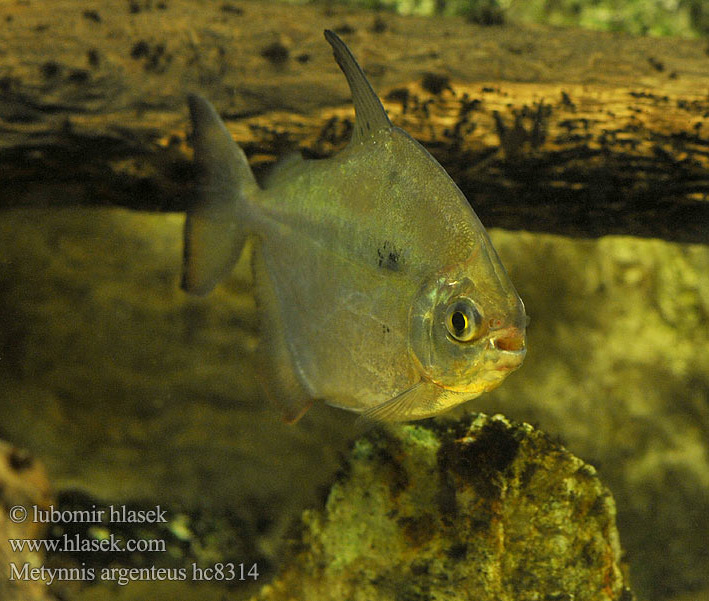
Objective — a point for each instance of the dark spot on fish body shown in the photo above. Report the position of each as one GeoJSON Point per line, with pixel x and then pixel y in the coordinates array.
{"type": "Point", "coordinates": [41, 28]}
{"type": "Point", "coordinates": [303, 58]}
{"type": "Point", "coordinates": [388, 256]}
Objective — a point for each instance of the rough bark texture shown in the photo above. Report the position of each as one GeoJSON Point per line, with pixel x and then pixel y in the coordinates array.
{"type": "Point", "coordinates": [575, 132]}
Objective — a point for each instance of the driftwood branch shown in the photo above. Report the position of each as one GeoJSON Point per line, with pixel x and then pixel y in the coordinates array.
{"type": "Point", "coordinates": [574, 132]}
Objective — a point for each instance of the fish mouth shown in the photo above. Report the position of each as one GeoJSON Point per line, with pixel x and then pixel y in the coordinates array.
{"type": "Point", "coordinates": [509, 346]}
{"type": "Point", "coordinates": [509, 340]}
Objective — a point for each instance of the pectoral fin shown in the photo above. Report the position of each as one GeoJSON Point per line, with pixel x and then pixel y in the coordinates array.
{"type": "Point", "coordinates": [276, 371]}
{"type": "Point", "coordinates": [423, 399]}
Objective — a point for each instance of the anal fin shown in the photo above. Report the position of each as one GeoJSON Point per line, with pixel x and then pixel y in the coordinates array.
{"type": "Point", "coordinates": [276, 369]}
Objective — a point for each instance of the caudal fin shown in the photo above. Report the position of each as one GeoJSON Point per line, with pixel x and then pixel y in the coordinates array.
{"type": "Point", "coordinates": [215, 227]}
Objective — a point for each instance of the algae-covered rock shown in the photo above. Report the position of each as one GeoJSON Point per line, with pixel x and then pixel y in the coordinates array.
{"type": "Point", "coordinates": [23, 484]}
{"type": "Point", "coordinates": [491, 511]}
{"type": "Point", "coordinates": [617, 366]}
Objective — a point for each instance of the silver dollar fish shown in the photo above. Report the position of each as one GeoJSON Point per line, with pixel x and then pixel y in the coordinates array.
{"type": "Point", "coordinates": [378, 288]}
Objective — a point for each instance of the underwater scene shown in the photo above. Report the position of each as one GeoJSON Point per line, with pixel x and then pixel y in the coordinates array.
{"type": "Point", "coordinates": [373, 300]}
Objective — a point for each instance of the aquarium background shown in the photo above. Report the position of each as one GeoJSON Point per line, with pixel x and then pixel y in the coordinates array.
{"type": "Point", "coordinates": [130, 392]}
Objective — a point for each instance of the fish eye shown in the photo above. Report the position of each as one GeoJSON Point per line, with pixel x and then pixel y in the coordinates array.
{"type": "Point", "coordinates": [463, 320]}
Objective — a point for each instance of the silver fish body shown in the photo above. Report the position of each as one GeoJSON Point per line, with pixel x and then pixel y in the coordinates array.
{"type": "Point", "coordinates": [378, 288]}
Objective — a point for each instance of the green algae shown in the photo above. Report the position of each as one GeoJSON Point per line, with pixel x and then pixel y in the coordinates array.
{"type": "Point", "coordinates": [549, 533]}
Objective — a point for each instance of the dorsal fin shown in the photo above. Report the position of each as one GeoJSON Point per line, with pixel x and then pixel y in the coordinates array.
{"type": "Point", "coordinates": [369, 112]}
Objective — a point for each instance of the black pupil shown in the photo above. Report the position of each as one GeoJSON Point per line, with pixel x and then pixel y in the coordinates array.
{"type": "Point", "coordinates": [458, 321]}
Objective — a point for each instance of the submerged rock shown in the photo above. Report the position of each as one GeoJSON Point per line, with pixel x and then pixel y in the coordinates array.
{"type": "Point", "coordinates": [23, 484]}
{"type": "Point", "coordinates": [492, 510]}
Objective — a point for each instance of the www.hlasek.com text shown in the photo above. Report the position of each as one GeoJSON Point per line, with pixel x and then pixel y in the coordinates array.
{"type": "Point", "coordinates": [77, 544]}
